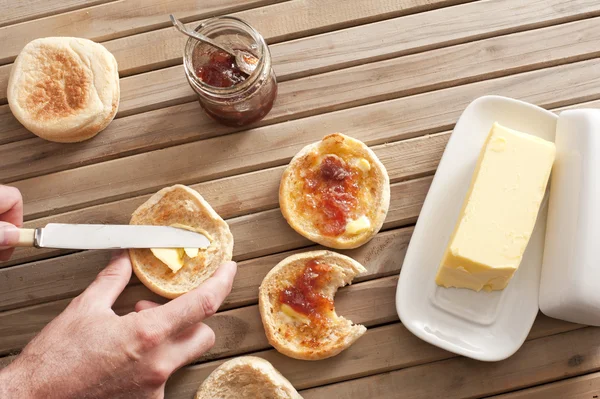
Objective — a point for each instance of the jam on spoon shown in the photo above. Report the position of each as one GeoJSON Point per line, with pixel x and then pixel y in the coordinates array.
{"type": "Point", "coordinates": [220, 70]}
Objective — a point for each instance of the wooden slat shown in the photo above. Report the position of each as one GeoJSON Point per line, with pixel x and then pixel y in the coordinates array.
{"type": "Point", "coordinates": [418, 32]}
{"type": "Point", "coordinates": [543, 326]}
{"type": "Point", "coordinates": [168, 86]}
{"type": "Point", "coordinates": [239, 330]}
{"type": "Point", "coordinates": [521, 52]}
{"type": "Point", "coordinates": [422, 32]}
{"type": "Point", "coordinates": [114, 20]}
{"type": "Point", "coordinates": [274, 145]}
{"type": "Point", "coordinates": [347, 47]}
{"type": "Point", "coordinates": [14, 11]}
{"type": "Point", "coordinates": [584, 387]}
{"type": "Point", "coordinates": [379, 350]}
{"type": "Point", "coordinates": [541, 360]}
{"type": "Point", "coordinates": [408, 159]}
{"type": "Point", "coordinates": [273, 236]}
{"type": "Point", "coordinates": [260, 231]}
{"type": "Point", "coordinates": [396, 77]}
{"type": "Point", "coordinates": [246, 193]}
{"type": "Point", "coordinates": [364, 357]}
{"type": "Point", "coordinates": [276, 23]}
{"type": "Point", "coordinates": [163, 47]}
{"type": "Point", "coordinates": [401, 349]}
{"type": "Point", "coordinates": [299, 98]}
{"type": "Point", "coordinates": [268, 232]}
{"type": "Point", "coordinates": [257, 191]}
{"type": "Point", "coordinates": [247, 244]}
{"type": "Point", "coordinates": [141, 53]}
{"type": "Point", "coordinates": [264, 18]}
{"type": "Point", "coordinates": [11, 129]}
{"type": "Point", "coordinates": [50, 279]}
{"type": "Point", "coordinates": [67, 276]}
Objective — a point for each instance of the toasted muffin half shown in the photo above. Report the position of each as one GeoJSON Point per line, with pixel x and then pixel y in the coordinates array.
{"type": "Point", "coordinates": [183, 207]}
{"type": "Point", "coordinates": [296, 305]}
{"type": "Point", "coordinates": [246, 377]}
{"type": "Point", "coordinates": [335, 192]}
{"type": "Point", "coordinates": [64, 89]}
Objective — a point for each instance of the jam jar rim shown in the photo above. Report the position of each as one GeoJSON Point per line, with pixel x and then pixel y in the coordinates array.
{"type": "Point", "coordinates": [237, 88]}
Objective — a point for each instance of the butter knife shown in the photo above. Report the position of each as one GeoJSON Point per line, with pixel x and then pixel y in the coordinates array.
{"type": "Point", "coordinates": [101, 236]}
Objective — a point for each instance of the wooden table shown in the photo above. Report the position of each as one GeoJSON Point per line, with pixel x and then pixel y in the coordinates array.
{"type": "Point", "coordinates": [393, 73]}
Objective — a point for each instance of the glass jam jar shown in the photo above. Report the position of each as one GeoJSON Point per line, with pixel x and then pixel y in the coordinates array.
{"type": "Point", "coordinates": [234, 98]}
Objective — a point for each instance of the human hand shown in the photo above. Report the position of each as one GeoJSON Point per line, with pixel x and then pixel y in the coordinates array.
{"type": "Point", "coordinates": [89, 351]}
{"type": "Point", "coordinates": [11, 215]}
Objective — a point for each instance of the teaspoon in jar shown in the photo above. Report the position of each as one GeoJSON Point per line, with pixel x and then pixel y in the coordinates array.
{"type": "Point", "coordinates": [245, 61]}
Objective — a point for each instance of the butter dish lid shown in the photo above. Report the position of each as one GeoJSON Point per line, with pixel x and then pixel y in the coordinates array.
{"type": "Point", "coordinates": [571, 263]}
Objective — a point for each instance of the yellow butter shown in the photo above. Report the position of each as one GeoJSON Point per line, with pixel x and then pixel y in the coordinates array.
{"type": "Point", "coordinates": [172, 257]}
{"type": "Point", "coordinates": [499, 211]}
{"type": "Point", "coordinates": [288, 310]}
{"type": "Point", "coordinates": [191, 252]}
{"type": "Point", "coordinates": [362, 164]}
{"type": "Point", "coordinates": [358, 226]}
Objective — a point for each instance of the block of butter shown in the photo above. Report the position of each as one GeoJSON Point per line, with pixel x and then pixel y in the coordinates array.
{"type": "Point", "coordinates": [499, 211]}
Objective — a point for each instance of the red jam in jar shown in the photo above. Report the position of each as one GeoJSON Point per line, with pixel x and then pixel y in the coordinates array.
{"type": "Point", "coordinates": [220, 71]}
{"type": "Point", "coordinates": [225, 92]}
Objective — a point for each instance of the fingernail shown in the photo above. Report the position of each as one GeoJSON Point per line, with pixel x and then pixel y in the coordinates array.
{"type": "Point", "coordinates": [9, 235]}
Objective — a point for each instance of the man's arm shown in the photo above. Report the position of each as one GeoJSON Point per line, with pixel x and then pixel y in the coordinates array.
{"type": "Point", "coordinates": [89, 351]}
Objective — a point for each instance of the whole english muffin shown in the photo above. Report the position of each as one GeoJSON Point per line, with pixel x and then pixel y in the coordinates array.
{"type": "Point", "coordinates": [180, 205]}
{"type": "Point", "coordinates": [64, 89]}
{"type": "Point", "coordinates": [246, 377]}
{"type": "Point", "coordinates": [335, 192]}
{"type": "Point", "coordinates": [296, 305]}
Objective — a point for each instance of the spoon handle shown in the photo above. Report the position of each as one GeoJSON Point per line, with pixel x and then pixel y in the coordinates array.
{"type": "Point", "coordinates": [198, 36]}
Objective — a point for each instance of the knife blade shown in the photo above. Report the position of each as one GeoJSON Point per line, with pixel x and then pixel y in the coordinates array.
{"type": "Point", "coordinates": [101, 236]}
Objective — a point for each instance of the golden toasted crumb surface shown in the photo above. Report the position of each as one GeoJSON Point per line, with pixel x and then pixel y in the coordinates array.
{"type": "Point", "coordinates": [61, 87]}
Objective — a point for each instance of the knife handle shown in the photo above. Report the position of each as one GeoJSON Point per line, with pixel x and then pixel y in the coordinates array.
{"type": "Point", "coordinates": [26, 238]}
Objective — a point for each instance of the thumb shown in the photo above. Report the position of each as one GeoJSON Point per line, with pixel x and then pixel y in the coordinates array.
{"type": "Point", "coordinates": [110, 282]}
{"type": "Point", "coordinates": [9, 235]}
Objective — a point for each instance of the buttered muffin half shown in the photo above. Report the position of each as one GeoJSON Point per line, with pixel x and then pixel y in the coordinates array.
{"type": "Point", "coordinates": [64, 89]}
{"type": "Point", "coordinates": [335, 192]}
{"type": "Point", "coordinates": [171, 272]}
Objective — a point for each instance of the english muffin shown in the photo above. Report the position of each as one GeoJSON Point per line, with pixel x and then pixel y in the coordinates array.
{"type": "Point", "coordinates": [295, 301]}
{"type": "Point", "coordinates": [182, 207]}
{"type": "Point", "coordinates": [246, 377]}
{"type": "Point", "coordinates": [64, 89]}
{"type": "Point", "coordinates": [335, 192]}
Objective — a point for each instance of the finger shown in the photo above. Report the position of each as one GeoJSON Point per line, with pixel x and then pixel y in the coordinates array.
{"type": "Point", "coordinates": [9, 237]}
{"type": "Point", "coordinates": [145, 305]}
{"type": "Point", "coordinates": [198, 304]}
{"type": "Point", "coordinates": [11, 205]}
{"type": "Point", "coordinates": [110, 282]}
{"type": "Point", "coordinates": [189, 345]}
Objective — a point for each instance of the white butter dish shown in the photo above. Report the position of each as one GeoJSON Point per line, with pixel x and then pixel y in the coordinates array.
{"type": "Point", "coordinates": [487, 326]}
{"type": "Point", "coordinates": [570, 280]}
